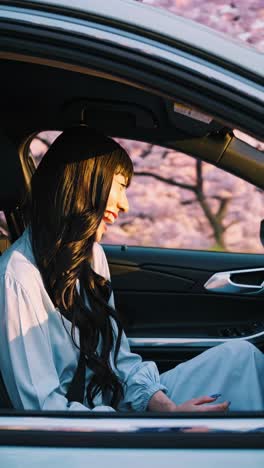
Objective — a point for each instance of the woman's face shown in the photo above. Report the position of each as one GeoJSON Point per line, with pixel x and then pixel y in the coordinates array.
{"type": "Point", "coordinates": [117, 201]}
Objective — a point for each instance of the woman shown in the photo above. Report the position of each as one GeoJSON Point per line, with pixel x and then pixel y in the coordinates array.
{"type": "Point", "coordinates": [62, 344]}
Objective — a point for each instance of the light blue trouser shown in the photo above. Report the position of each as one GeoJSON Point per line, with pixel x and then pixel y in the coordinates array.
{"type": "Point", "coordinates": [235, 369]}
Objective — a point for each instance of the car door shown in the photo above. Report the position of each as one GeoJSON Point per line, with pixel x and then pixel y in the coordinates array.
{"type": "Point", "coordinates": [174, 305]}
{"type": "Point", "coordinates": [177, 302]}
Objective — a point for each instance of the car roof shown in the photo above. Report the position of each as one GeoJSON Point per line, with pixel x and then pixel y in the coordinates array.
{"type": "Point", "coordinates": [166, 25]}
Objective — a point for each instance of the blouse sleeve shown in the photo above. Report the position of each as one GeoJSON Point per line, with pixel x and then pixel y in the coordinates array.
{"type": "Point", "coordinates": [140, 379]}
{"type": "Point", "coordinates": [26, 358]}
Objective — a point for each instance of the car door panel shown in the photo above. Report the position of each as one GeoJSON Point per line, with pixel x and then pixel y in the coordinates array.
{"type": "Point", "coordinates": [166, 310]}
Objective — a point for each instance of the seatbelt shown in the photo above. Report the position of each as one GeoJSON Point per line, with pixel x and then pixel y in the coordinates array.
{"type": "Point", "coordinates": [5, 402]}
{"type": "Point", "coordinates": [77, 386]}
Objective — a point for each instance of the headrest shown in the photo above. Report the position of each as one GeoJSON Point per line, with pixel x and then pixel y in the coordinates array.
{"type": "Point", "coordinates": [11, 175]}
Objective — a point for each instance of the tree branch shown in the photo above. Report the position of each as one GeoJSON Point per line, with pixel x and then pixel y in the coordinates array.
{"type": "Point", "coordinates": [42, 140]}
{"type": "Point", "coordinates": [165, 154]}
{"type": "Point", "coordinates": [230, 224]}
{"type": "Point", "coordinates": [215, 220]}
{"type": "Point", "coordinates": [167, 181]}
{"type": "Point", "coordinates": [199, 175]}
{"type": "Point", "coordinates": [146, 152]}
{"type": "Point", "coordinates": [221, 212]}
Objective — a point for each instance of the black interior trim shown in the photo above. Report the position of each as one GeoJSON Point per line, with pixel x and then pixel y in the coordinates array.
{"type": "Point", "coordinates": [134, 29]}
{"type": "Point", "coordinates": [147, 439]}
{"type": "Point", "coordinates": [141, 71]}
{"type": "Point", "coordinates": [258, 415]}
{"type": "Point", "coordinates": [174, 259]}
{"type": "Point", "coordinates": [141, 439]}
{"type": "Point", "coordinates": [119, 110]}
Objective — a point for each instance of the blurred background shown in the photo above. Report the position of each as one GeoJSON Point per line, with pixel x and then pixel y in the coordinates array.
{"type": "Point", "coordinates": [242, 19]}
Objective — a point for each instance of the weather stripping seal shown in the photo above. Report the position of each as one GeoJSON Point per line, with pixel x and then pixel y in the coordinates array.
{"type": "Point", "coordinates": [190, 342]}
{"type": "Point", "coordinates": [141, 46]}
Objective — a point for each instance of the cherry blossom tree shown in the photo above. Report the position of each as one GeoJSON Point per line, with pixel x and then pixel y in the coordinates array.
{"type": "Point", "coordinates": [242, 19]}
{"type": "Point", "coordinates": [178, 201]}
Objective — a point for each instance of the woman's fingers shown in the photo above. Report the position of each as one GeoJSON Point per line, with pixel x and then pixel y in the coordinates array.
{"type": "Point", "coordinates": [200, 403]}
{"type": "Point", "coordinates": [218, 407]}
{"type": "Point", "coordinates": [204, 399]}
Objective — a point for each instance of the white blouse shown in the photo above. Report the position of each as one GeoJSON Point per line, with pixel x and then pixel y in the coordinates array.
{"type": "Point", "coordinates": [37, 355]}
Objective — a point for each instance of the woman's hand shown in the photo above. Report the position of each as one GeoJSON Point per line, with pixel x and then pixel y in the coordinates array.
{"type": "Point", "coordinates": [160, 402]}
{"type": "Point", "coordinates": [199, 404]}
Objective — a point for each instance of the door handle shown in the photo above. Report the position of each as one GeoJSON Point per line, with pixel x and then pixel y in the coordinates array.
{"type": "Point", "coordinates": [222, 282]}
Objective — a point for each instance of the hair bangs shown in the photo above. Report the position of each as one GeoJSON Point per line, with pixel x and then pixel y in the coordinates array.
{"type": "Point", "coordinates": [124, 165]}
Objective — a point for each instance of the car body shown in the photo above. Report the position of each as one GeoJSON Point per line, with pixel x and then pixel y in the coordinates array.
{"type": "Point", "coordinates": [140, 74]}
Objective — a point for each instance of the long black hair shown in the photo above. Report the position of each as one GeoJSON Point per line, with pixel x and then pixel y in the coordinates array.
{"type": "Point", "coordinates": [69, 193]}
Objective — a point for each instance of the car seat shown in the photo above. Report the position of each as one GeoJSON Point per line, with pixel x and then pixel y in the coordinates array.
{"type": "Point", "coordinates": [12, 187]}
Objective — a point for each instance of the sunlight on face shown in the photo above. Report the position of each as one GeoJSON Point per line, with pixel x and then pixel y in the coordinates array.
{"type": "Point", "coordinates": [117, 201]}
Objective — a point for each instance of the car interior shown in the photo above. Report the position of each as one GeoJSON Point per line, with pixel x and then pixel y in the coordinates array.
{"type": "Point", "coordinates": [174, 303]}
